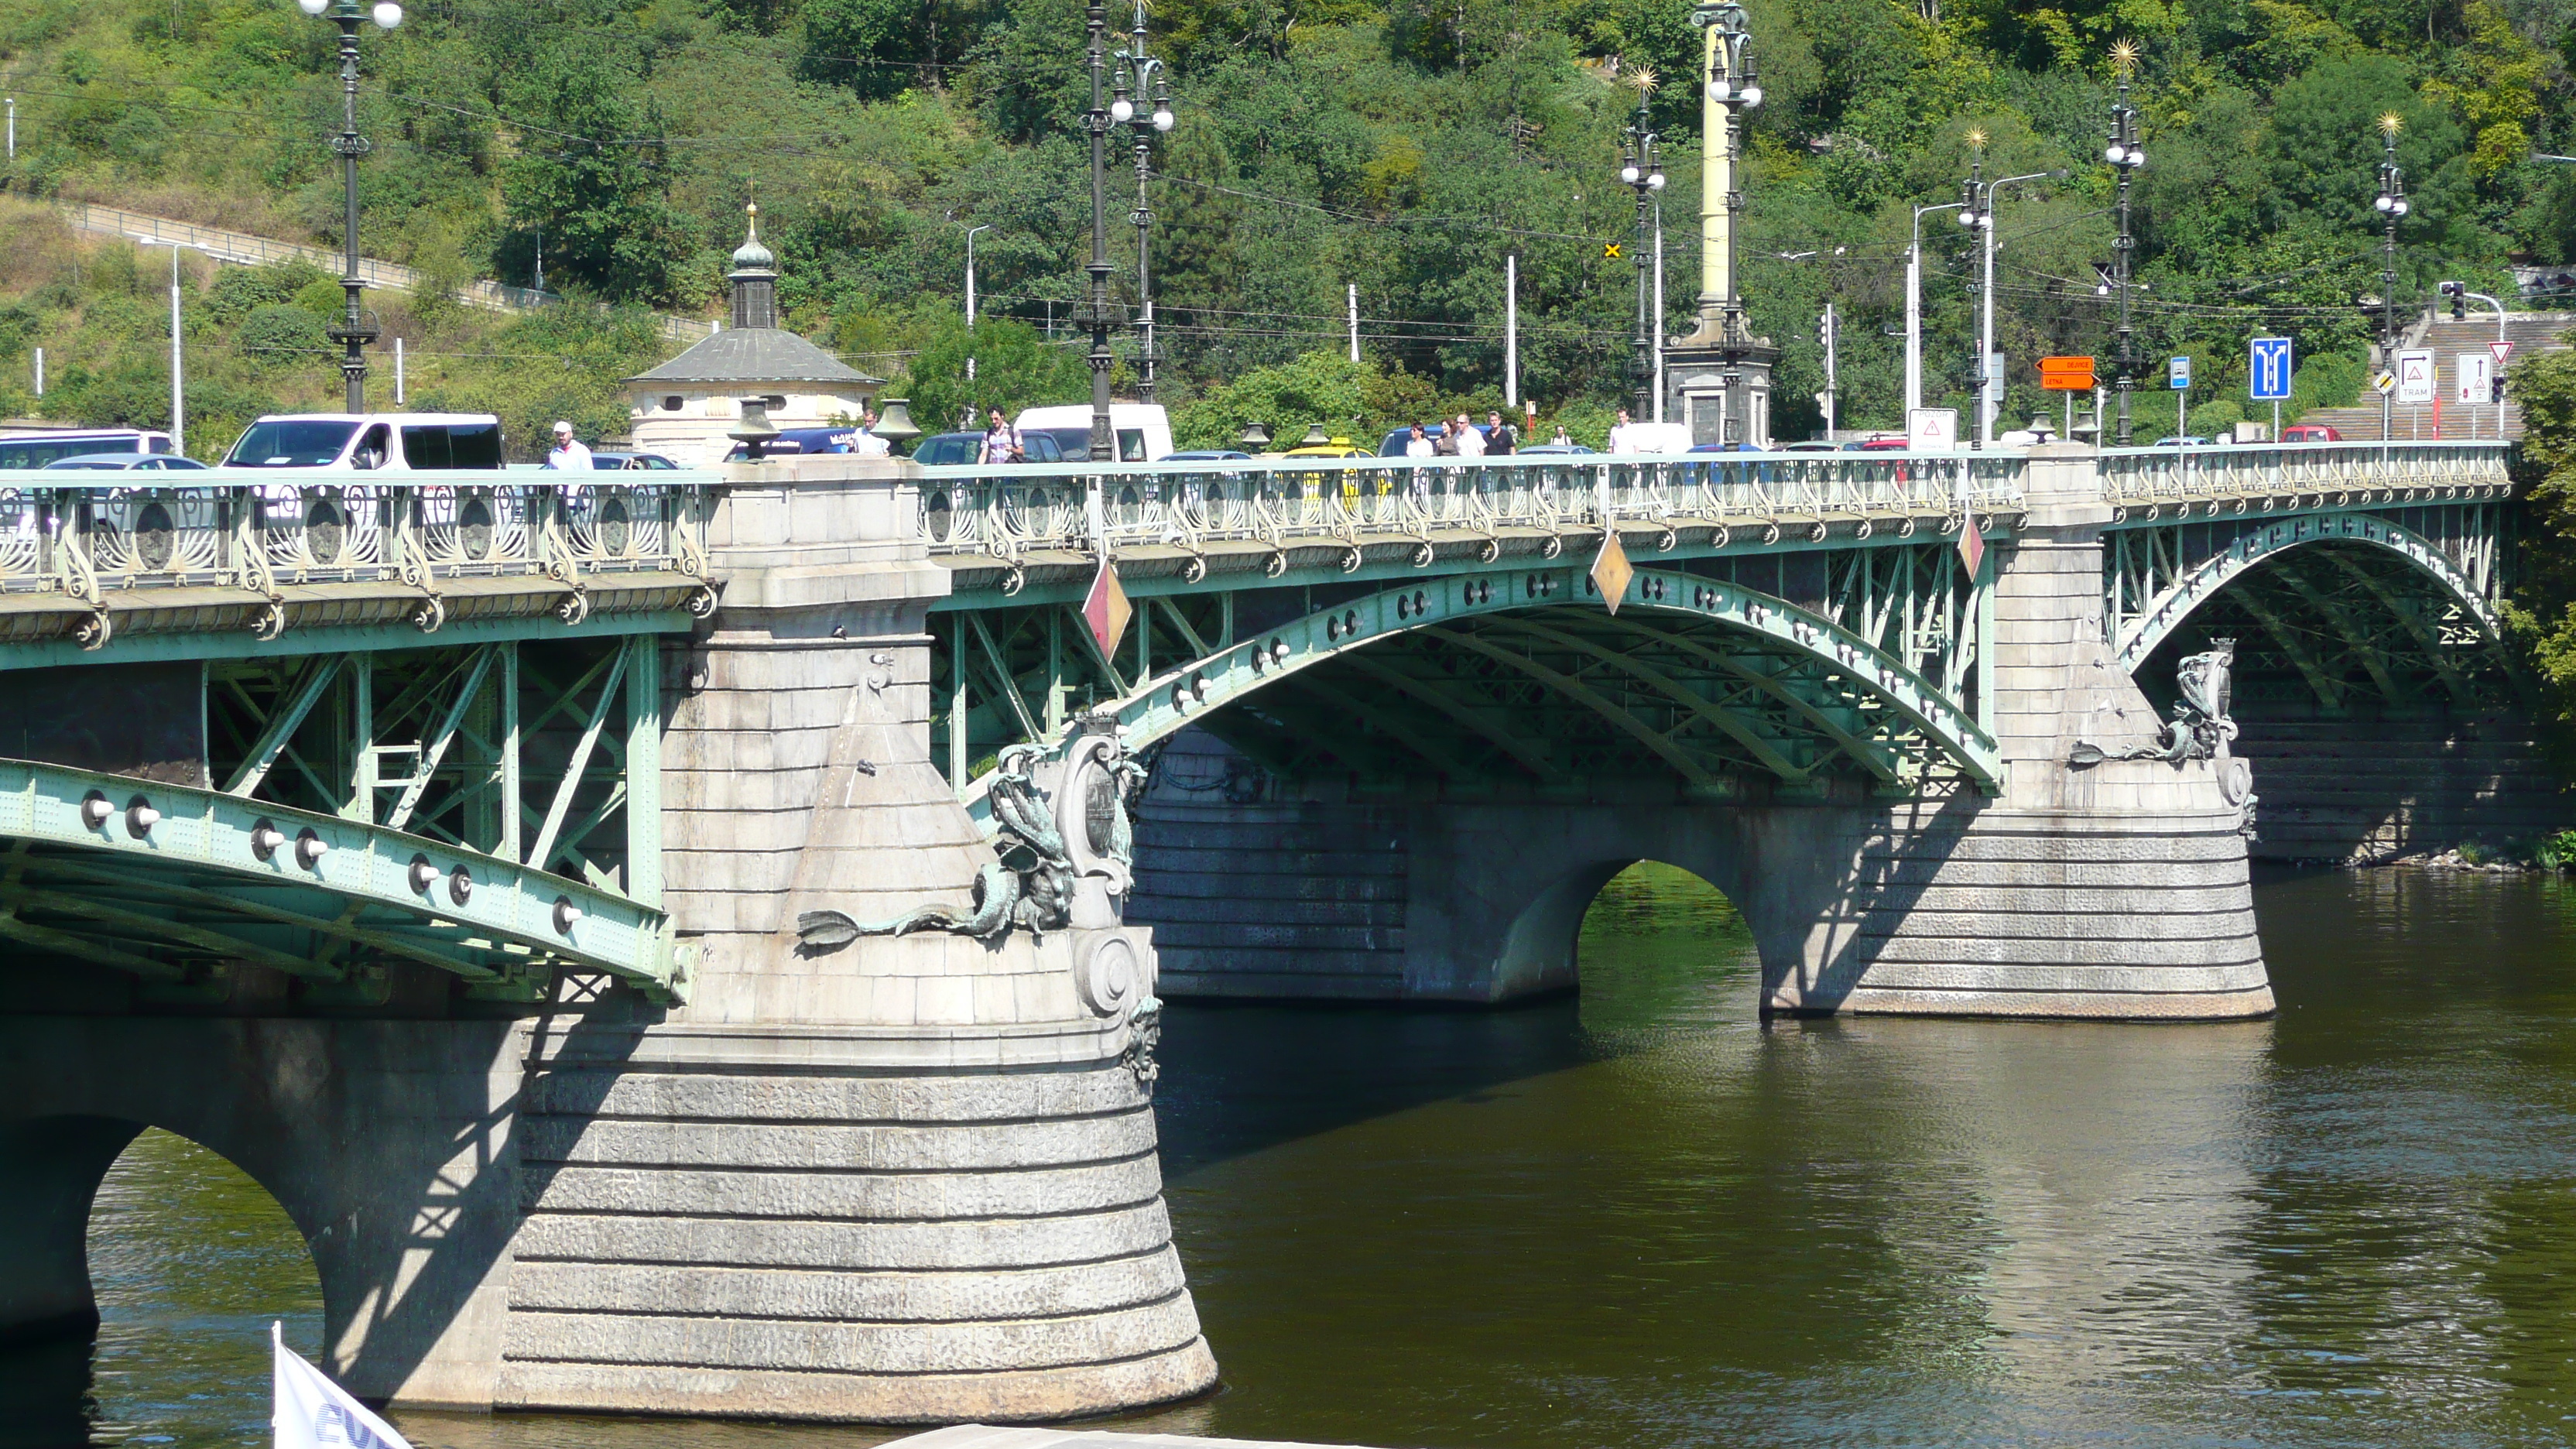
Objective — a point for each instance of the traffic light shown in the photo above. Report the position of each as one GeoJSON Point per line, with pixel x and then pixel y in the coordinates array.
{"type": "Point", "coordinates": [1825, 330]}
{"type": "Point", "coordinates": [2458, 292]}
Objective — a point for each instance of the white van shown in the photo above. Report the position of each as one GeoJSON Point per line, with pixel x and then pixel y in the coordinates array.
{"type": "Point", "coordinates": [1144, 430]}
{"type": "Point", "coordinates": [367, 442]}
{"type": "Point", "coordinates": [36, 449]}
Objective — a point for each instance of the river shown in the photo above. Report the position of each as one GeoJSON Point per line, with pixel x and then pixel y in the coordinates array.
{"type": "Point", "coordinates": [1641, 1218]}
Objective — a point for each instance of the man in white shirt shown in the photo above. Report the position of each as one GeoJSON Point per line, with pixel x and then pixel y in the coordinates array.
{"type": "Point", "coordinates": [1622, 435]}
{"type": "Point", "coordinates": [569, 456]}
{"type": "Point", "coordinates": [869, 445]}
{"type": "Point", "coordinates": [1471, 443]}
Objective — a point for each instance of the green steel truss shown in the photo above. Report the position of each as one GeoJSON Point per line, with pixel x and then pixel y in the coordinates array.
{"type": "Point", "coordinates": [1518, 675]}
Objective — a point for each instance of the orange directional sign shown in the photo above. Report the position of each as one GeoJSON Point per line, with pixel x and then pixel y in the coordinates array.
{"type": "Point", "coordinates": [2066, 374]}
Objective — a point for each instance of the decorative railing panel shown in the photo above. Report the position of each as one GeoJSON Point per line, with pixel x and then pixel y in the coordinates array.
{"type": "Point", "coordinates": [85, 534]}
{"type": "Point", "coordinates": [2283, 473]}
{"type": "Point", "coordinates": [1010, 512]}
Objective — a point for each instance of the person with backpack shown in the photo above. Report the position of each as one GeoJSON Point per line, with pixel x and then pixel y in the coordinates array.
{"type": "Point", "coordinates": [1001, 442]}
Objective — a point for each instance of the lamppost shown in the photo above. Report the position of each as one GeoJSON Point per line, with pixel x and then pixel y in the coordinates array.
{"type": "Point", "coordinates": [1147, 74]}
{"type": "Point", "coordinates": [1098, 312]}
{"type": "Point", "coordinates": [2392, 207]}
{"type": "Point", "coordinates": [1978, 215]}
{"type": "Point", "coordinates": [352, 333]}
{"type": "Point", "coordinates": [1724, 371]}
{"type": "Point", "coordinates": [2125, 156]}
{"type": "Point", "coordinates": [1914, 312]}
{"type": "Point", "coordinates": [1641, 170]}
{"type": "Point", "coordinates": [178, 376]}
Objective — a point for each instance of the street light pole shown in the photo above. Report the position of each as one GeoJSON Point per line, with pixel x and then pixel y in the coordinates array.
{"type": "Point", "coordinates": [2125, 157]}
{"type": "Point", "coordinates": [1989, 375]}
{"type": "Point", "coordinates": [1914, 311]}
{"type": "Point", "coordinates": [352, 332]}
{"type": "Point", "coordinates": [178, 374]}
{"type": "Point", "coordinates": [1641, 169]}
{"type": "Point", "coordinates": [970, 272]}
{"type": "Point", "coordinates": [1147, 73]}
{"type": "Point", "coordinates": [2392, 207]}
{"type": "Point", "coordinates": [1104, 443]}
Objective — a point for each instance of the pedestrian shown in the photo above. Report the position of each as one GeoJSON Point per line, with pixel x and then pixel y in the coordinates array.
{"type": "Point", "coordinates": [1560, 439]}
{"type": "Point", "coordinates": [1001, 442]}
{"type": "Point", "coordinates": [569, 456]}
{"type": "Point", "coordinates": [1471, 444]}
{"type": "Point", "coordinates": [1420, 444]}
{"type": "Point", "coordinates": [1623, 438]}
{"type": "Point", "coordinates": [1501, 438]}
{"type": "Point", "coordinates": [868, 444]}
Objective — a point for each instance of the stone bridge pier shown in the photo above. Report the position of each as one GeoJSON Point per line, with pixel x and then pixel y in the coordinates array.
{"type": "Point", "coordinates": [2114, 889]}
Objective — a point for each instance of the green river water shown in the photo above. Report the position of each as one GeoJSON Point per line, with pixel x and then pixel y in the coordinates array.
{"type": "Point", "coordinates": [1641, 1218]}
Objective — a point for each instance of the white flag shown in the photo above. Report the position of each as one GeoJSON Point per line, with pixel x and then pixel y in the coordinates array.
{"type": "Point", "coordinates": [314, 1413]}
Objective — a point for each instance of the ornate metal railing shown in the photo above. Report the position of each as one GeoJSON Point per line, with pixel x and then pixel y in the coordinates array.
{"type": "Point", "coordinates": [1007, 512]}
{"type": "Point", "coordinates": [84, 533]}
{"type": "Point", "coordinates": [2267, 476]}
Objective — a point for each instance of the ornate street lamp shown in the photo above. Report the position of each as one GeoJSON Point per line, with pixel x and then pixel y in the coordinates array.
{"type": "Point", "coordinates": [1641, 169]}
{"type": "Point", "coordinates": [1721, 373]}
{"type": "Point", "coordinates": [2126, 156]}
{"type": "Point", "coordinates": [352, 333]}
{"type": "Point", "coordinates": [1146, 74]}
{"type": "Point", "coordinates": [2392, 207]}
{"type": "Point", "coordinates": [1098, 312]}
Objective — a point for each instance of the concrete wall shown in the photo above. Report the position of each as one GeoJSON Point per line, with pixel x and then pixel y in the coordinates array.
{"type": "Point", "coordinates": [2374, 786]}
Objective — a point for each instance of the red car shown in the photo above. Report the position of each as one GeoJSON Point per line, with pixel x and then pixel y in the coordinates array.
{"type": "Point", "coordinates": [2310, 433]}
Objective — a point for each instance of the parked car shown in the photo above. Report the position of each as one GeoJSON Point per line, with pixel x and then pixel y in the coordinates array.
{"type": "Point", "coordinates": [629, 462]}
{"type": "Point", "coordinates": [1553, 449]}
{"type": "Point", "coordinates": [38, 449]}
{"type": "Point", "coordinates": [802, 440]}
{"type": "Point", "coordinates": [1811, 445]}
{"type": "Point", "coordinates": [1727, 448]}
{"type": "Point", "coordinates": [952, 449]}
{"type": "Point", "coordinates": [1335, 448]}
{"type": "Point", "coordinates": [1396, 442]}
{"type": "Point", "coordinates": [128, 463]}
{"type": "Point", "coordinates": [2310, 433]}
{"type": "Point", "coordinates": [1144, 430]}
{"type": "Point", "coordinates": [1204, 455]}
{"type": "Point", "coordinates": [1883, 443]}
{"type": "Point", "coordinates": [367, 442]}
{"type": "Point", "coordinates": [2182, 441]}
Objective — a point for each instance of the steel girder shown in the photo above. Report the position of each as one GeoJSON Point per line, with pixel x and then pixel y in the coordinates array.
{"type": "Point", "coordinates": [1526, 674]}
{"type": "Point", "coordinates": [2156, 576]}
{"type": "Point", "coordinates": [173, 884]}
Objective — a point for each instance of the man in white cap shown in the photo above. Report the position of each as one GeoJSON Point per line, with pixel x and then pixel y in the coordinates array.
{"type": "Point", "coordinates": [569, 455]}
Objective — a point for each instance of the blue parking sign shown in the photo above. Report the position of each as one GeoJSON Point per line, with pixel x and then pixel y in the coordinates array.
{"type": "Point", "coordinates": [2267, 374]}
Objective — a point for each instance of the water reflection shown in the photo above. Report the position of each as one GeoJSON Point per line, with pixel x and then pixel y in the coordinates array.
{"type": "Point", "coordinates": [1642, 1218]}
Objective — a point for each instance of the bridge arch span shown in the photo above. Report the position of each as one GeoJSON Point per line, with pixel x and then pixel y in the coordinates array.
{"type": "Point", "coordinates": [2162, 588]}
{"type": "Point", "coordinates": [1699, 676]}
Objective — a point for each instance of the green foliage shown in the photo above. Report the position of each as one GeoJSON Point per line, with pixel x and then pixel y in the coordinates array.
{"type": "Point", "coordinates": [594, 178]}
{"type": "Point", "coordinates": [237, 291]}
{"type": "Point", "coordinates": [1015, 367]}
{"type": "Point", "coordinates": [279, 335]}
{"type": "Point", "coordinates": [2556, 851]}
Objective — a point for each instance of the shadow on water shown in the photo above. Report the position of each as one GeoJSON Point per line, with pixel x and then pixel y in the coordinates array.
{"type": "Point", "coordinates": [1238, 1078]}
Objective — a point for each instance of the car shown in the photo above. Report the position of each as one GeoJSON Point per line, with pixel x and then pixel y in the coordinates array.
{"type": "Point", "coordinates": [803, 440]}
{"type": "Point", "coordinates": [36, 449]}
{"type": "Point", "coordinates": [366, 442]}
{"type": "Point", "coordinates": [629, 462]}
{"type": "Point", "coordinates": [1811, 445]}
{"type": "Point", "coordinates": [1551, 450]}
{"type": "Point", "coordinates": [2182, 441]}
{"type": "Point", "coordinates": [2310, 433]}
{"type": "Point", "coordinates": [955, 449]}
{"type": "Point", "coordinates": [1143, 430]}
{"type": "Point", "coordinates": [1331, 448]}
{"type": "Point", "coordinates": [1727, 448]}
{"type": "Point", "coordinates": [1883, 443]}
{"type": "Point", "coordinates": [128, 463]}
{"type": "Point", "coordinates": [1204, 455]}
{"type": "Point", "coordinates": [1394, 444]}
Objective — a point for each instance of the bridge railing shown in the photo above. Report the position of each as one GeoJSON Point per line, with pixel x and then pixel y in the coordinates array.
{"type": "Point", "coordinates": [2155, 476]}
{"type": "Point", "coordinates": [1008, 511]}
{"type": "Point", "coordinates": [84, 533]}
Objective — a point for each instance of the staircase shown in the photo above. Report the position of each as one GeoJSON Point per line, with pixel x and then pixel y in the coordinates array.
{"type": "Point", "coordinates": [2529, 332]}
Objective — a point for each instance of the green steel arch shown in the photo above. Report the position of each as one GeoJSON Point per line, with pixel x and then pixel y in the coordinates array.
{"type": "Point", "coordinates": [2207, 579]}
{"type": "Point", "coordinates": [172, 883]}
{"type": "Point", "coordinates": [1177, 697]}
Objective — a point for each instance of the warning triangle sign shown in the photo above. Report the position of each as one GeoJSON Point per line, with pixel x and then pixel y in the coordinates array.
{"type": "Point", "coordinates": [2500, 351]}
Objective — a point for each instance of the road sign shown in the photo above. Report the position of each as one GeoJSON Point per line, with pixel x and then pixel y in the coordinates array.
{"type": "Point", "coordinates": [2499, 351]}
{"type": "Point", "coordinates": [1609, 251]}
{"type": "Point", "coordinates": [2178, 372]}
{"type": "Point", "coordinates": [2474, 374]}
{"type": "Point", "coordinates": [2415, 375]}
{"type": "Point", "coordinates": [2066, 374]}
{"type": "Point", "coordinates": [2384, 384]}
{"type": "Point", "coordinates": [2267, 376]}
{"type": "Point", "coordinates": [1932, 430]}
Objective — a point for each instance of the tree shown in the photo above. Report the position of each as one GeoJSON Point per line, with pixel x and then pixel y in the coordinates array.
{"type": "Point", "coordinates": [1015, 367]}
{"type": "Point", "coordinates": [592, 171]}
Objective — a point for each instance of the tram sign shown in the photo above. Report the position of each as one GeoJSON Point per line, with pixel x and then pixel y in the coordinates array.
{"type": "Point", "coordinates": [2415, 375]}
{"type": "Point", "coordinates": [2066, 374]}
{"type": "Point", "coordinates": [2267, 374]}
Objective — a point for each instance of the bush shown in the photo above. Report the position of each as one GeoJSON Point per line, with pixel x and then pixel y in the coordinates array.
{"type": "Point", "coordinates": [238, 291]}
{"type": "Point", "coordinates": [279, 335]}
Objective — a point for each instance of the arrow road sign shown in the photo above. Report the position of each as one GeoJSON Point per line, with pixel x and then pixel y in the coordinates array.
{"type": "Point", "coordinates": [2415, 375]}
{"type": "Point", "coordinates": [2268, 374]}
